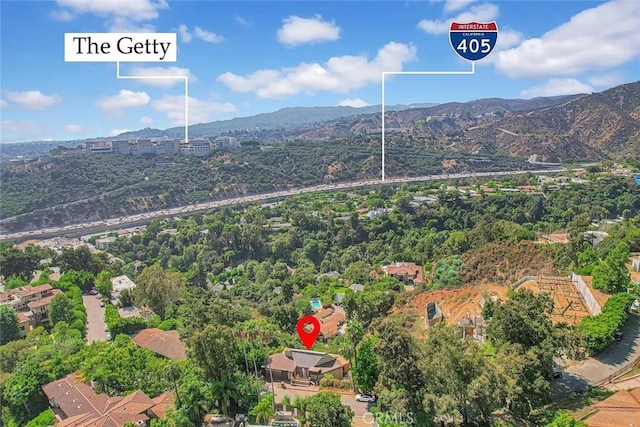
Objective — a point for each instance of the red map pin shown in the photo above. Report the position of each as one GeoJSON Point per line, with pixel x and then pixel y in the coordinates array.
{"type": "Point", "coordinates": [308, 338]}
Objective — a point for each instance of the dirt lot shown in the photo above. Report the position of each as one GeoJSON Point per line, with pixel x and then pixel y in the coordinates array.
{"type": "Point", "coordinates": [458, 303]}
{"type": "Point", "coordinates": [455, 304]}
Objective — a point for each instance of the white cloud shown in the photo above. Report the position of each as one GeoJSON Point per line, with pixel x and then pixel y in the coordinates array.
{"type": "Point", "coordinates": [339, 74]}
{"type": "Point", "coordinates": [484, 12]}
{"type": "Point", "coordinates": [507, 38]}
{"type": "Point", "coordinates": [162, 72]}
{"type": "Point", "coordinates": [3, 104]}
{"type": "Point", "coordinates": [116, 104]}
{"type": "Point", "coordinates": [556, 87]}
{"type": "Point", "coordinates": [207, 36]}
{"type": "Point", "coordinates": [356, 103]}
{"type": "Point", "coordinates": [199, 33]}
{"type": "Point", "coordinates": [242, 21]}
{"type": "Point", "coordinates": [22, 128]}
{"type": "Point", "coordinates": [61, 15]}
{"type": "Point", "coordinates": [199, 111]}
{"type": "Point", "coordinates": [184, 33]}
{"type": "Point", "coordinates": [453, 5]}
{"type": "Point", "coordinates": [296, 31]}
{"type": "Point", "coordinates": [610, 79]}
{"type": "Point", "coordinates": [601, 37]}
{"type": "Point", "coordinates": [73, 128]}
{"type": "Point", "coordinates": [146, 121]}
{"type": "Point", "coordinates": [33, 99]}
{"type": "Point", "coordinates": [119, 15]}
{"type": "Point", "coordinates": [116, 132]}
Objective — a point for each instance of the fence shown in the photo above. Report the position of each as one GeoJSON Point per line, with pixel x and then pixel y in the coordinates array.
{"type": "Point", "coordinates": [588, 298]}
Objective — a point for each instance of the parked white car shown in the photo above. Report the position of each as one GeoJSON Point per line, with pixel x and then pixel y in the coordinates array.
{"type": "Point", "coordinates": [365, 397]}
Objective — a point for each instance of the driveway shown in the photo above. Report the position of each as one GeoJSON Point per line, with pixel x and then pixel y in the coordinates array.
{"type": "Point", "coordinates": [362, 417]}
{"type": "Point", "coordinates": [95, 319]}
{"type": "Point", "coordinates": [595, 370]}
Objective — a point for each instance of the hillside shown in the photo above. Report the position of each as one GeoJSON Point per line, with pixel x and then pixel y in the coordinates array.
{"type": "Point", "coordinates": [283, 118]}
{"type": "Point", "coordinates": [596, 126]}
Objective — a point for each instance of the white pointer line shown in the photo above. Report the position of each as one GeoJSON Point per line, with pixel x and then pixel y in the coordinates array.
{"type": "Point", "coordinates": [406, 73]}
{"type": "Point", "coordinates": [186, 94]}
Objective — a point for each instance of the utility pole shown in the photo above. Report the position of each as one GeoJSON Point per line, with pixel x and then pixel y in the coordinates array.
{"type": "Point", "coordinates": [273, 390]}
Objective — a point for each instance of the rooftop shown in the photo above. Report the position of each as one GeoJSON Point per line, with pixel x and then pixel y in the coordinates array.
{"type": "Point", "coordinates": [164, 343]}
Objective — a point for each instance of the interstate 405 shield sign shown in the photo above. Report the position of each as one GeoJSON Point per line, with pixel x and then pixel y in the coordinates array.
{"type": "Point", "coordinates": [473, 40]}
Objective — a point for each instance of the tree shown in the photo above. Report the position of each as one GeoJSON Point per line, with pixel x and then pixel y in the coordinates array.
{"type": "Point", "coordinates": [158, 289]}
{"type": "Point", "coordinates": [565, 419]}
{"type": "Point", "coordinates": [324, 409]}
{"type": "Point", "coordinates": [103, 282]}
{"type": "Point", "coordinates": [61, 309]}
{"type": "Point", "coordinates": [354, 335]}
{"type": "Point", "coordinates": [9, 326]}
{"type": "Point", "coordinates": [126, 298]}
{"type": "Point", "coordinates": [263, 411]}
{"type": "Point", "coordinates": [14, 262]}
{"type": "Point", "coordinates": [215, 350]}
{"type": "Point", "coordinates": [612, 274]}
{"type": "Point", "coordinates": [365, 371]}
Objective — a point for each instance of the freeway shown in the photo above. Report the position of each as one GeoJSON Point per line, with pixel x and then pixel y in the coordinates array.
{"type": "Point", "coordinates": [143, 218]}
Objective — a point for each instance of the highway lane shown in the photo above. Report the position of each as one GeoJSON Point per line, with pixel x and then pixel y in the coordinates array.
{"type": "Point", "coordinates": [139, 219]}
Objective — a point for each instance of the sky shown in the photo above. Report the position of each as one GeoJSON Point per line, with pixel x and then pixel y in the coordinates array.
{"type": "Point", "coordinates": [243, 58]}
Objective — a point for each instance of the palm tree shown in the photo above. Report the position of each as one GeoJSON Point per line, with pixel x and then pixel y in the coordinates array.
{"type": "Point", "coordinates": [223, 392]}
{"type": "Point", "coordinates": [263, 411]}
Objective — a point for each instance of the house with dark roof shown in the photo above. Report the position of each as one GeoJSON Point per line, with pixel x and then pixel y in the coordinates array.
{"type": "Point", "coordinates": [77, 404]}
{"type": "Point", "coordinates": [163, 343]}
{"type": "Point", "coordinates": [304, 366]}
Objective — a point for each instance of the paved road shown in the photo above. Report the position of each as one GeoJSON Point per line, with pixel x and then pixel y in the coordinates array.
{"type": "Point", "coordinates": [362, 417]}
{"type": "Point", "coordinates": [595, 370]}
{"type": "Point", "coordinates": [95, 319]}
{"type": "Point", "coordinates": [116, 223]}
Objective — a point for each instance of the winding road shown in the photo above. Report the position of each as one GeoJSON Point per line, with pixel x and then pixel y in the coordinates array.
{"type": "Point", "coordinates": [140, 219]}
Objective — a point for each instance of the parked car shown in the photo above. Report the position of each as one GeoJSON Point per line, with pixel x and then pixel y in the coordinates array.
{"type": "Point", "coordinates": [98, 296]}
{"type": "Point", "coordinates": [619, 335]}
{"type": "Point", "coordinates": [102, 304]}
{"type": "Point", "coordinates": [93, 292]}
{"type": "Point", "coordinates": [365, 397]}
{"type": "Point", "coordinates": [106, 328]}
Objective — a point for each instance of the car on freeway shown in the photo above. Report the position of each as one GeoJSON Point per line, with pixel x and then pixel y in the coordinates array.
{"type": "Point", "coordinates": [365, 397]}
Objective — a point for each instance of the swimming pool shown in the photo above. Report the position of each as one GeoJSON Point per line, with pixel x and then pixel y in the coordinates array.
{"type": "Point", "coordinates": [315, 304]}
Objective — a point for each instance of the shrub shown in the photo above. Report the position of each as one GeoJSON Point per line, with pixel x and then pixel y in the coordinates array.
{"type": "Point", "coordinates": [598, 332]}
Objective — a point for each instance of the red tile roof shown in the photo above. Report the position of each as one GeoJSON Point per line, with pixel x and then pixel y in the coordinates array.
{"type": "Point", "coordinates": [83, 407]}
{"type": "Point", "coordinates": [164, 343]}
{"type": "Point", "coordinates": [406, 269]}
{"type": "Point", "coordinates": [622, 408]}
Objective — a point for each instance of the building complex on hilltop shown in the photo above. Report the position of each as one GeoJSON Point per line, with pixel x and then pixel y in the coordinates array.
{"type": "Point", "coordinates": [164, 145]}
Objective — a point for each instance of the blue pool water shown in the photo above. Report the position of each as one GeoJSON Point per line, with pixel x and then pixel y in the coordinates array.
{"type": "Point", "coordinates": [315, 303]}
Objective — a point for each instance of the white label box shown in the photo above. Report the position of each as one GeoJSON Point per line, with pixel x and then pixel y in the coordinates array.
{"type": "Point", "coordinates": [120, 47]}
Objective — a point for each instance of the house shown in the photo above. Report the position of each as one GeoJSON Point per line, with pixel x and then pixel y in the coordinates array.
{"type": "Point", "coordinates": [77, 404]}
{"type": "Point", "coordinates": [304, 365]}
{"type": "Point", "coordinates": [103, 242]}
{"type": "Point", "coordinates": [163, 343]}
{"type": "Point", "coordinates": [408, 273]}
{"type": "Point", "coordinates": [473, 327]}
{"type": "Point", "coordinates": [330, 320]}
{"type": "Point", "coordinates": [635, 263]}
{"type": "Point", "coordinates": [31, 303]}
{"type": "Point", "coordinates": [119, 284]}
{"type": "Point", "coordinates": [620, 409]}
